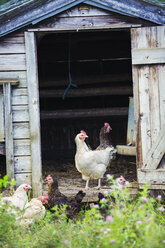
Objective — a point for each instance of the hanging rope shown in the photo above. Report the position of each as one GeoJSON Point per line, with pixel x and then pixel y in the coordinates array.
{"type": "Point", "coordinates": [69, 72]}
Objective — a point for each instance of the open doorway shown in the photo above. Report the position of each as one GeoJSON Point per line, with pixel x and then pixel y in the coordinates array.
{"type": "Point", "coordinates": [99, 65]}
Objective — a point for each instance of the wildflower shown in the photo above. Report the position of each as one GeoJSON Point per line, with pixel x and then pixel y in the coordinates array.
{"type": "Point", "coordinates": [66, 242]}
{"type": "Point", "coordinates": [147, 220]}
{"type": "Point", "coordinates": [109, 218]}
{"type": "Point", "coordinates": [103, 199]}
{"type": "Point", "coordinates": [164, 241]}
{"type": "Point", "coordinates": [144, 199]}
{"type": "Point", "coordinates": [96, 206]}
{"type": "Point", "coordinates": [108, 175]}
{"type": "Point", "coordinates": [159, 197]}
{"type": "Point", "coordinates": [139, 222]}
{"type": "Point", "coordinates": [162, 209]}
{"type": "Point", "coordinates": [141, 206]}
{"type": "Point", "coordinates": [113, 241]}
{"type": "Point", "coordinates": [6, 201]}
{"type": "Point", "coordinates": [108, 229]}
{"type": "Point", "coordinates": [17, 207]}
{"type": "Point", "coordinates": [105, 192]}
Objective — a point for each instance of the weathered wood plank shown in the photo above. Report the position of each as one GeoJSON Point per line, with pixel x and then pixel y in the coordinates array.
{"type": "Point", "coordinates": [126, 150]}
{"type": "Point", "coordinates": [161, 77]}
{"type": "Point", "coordinates": [131, 126]}
{"type": "Point", "coordinates": [21, 75]}
{"type": "Point", "coordinates": [78, 28]}
{"type": "Point", "coordinates": [13, 40]}
{"type": "Point", "coordinates": [84, 113]}
{"type": "Point", "coordinates": [87, 21]}
{"type": "Point", "coordinates": [22, 147]}
{"type": "Point", "coordinates": [20, 113]}
{"type": "Point", "coordinates": [34, 111]}
{"type": "Point", "coordinates": [135, 76]}
{"type": "Point", "coordinates": [22, 164]}
{"type": "Point", "coordinates": [2, 148]}
{"type": "Point", "coordinates": [2, 129]}
{"type": "Point", "coordinates": [8, 131]}
{"type": "Point", "coordinates": [148, 56]}
{"type": "Point", "coordinates": [151, 176]}
{"type": "Point", "coordinates": [12, 62]}
{"type": "Point", "coordinates": [157, 151]}
{"type": "Point", "coordinates": [20, 100]}
{"type": "Point", "coordinates": [20, 96]}
{"type": "Point", "coordinates": [11, 48]}
{"type": "Point", "coordinates": [88, 92]}
{"type": "Point", "coordinates": [154, 103]}
{"type": "Point", "coordinates": [144, 111]}
{"type": "Point", "coordinates": [21, 130]}
{"type": "Point", "coordinates": [88, 80]}
{"type": "Point", "coordinates": [11, 81]}
{"type": "Point", "coordinates": [23, 177]}
{"type": "Point", "coordinates": [84, 10]}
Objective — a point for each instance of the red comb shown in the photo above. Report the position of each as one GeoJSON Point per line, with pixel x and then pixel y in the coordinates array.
{"type": "Point", "coordinates": [26, 182]}
{"type": "Point", "coordinates": [122, 177]}
{"type": "Point", "coordinates": [106, 124]}
{"type": "Point", "coordinates": [83, 132]}
{"type": "Point", "coordinates": [48, 176]}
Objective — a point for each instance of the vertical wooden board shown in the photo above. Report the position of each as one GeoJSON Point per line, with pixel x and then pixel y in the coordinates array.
{"type": "Point", "coordinates": [22, 164]}
{"type": "Point", "coordinates": [2, 130]}
{"type": "Point", "coordinates": [161, 71]}
{"type": "Point", "coordinates": [8, 131]}
{"type": "Point", "coordinates": [135, 78]}
{"type": "Point", "coordinates": [154, 102]}
{"type": "Point", "coordinates": [130, 125]}
{"type": "Point", "coordinates": [161, 75]}
{"type": "Point", "coordinates": [144, 110]}
{"type": "Point", "coordinates": [34, 111]}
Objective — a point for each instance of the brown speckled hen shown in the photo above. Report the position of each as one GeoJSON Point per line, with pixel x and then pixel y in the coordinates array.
{"type": "Point", "coordinates": [104, 136]}
{"type": "Point", "coordinates": [57, 198]}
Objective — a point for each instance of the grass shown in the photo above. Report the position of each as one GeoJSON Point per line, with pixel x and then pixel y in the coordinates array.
{"type": "Point", "coordinates": [138, 223]}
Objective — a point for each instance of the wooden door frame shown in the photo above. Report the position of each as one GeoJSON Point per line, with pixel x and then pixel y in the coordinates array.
{"type": "Point", "coordinates": [33, 94]}
{"type": "Point", "coordinates": [34, 112]}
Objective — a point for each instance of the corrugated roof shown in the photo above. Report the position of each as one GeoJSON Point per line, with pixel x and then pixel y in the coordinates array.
{"type": "Point", "coordinates": [6, 5]}
{"type": "Point", "coordinates": [156, 2]}
{"type": "Point", "coordinates": [25, 12]}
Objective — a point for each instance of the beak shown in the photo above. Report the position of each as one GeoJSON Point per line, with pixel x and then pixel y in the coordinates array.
{"type": "Point", "coordinates": [86, 136]}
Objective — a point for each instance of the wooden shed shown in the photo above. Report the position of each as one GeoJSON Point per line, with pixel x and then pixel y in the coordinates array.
{"type": "Point", "coordinates": [72, 65]}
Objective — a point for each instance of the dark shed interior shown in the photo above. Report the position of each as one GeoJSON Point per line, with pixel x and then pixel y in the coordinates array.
{"type": "Point", "coordinates": [85, 80]}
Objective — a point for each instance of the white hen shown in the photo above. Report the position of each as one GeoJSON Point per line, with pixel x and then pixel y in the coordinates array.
{"type": "Point", "coordinates": [91, 164]}
{"type": "Point", "coordinates": [19, 198]}
{"type": "Point", "coordinates": [34, 210]}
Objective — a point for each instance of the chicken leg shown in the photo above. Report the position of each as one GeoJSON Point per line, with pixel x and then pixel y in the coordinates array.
{"type": "Point", "coordinates": [99, 184]}
{"type": "Point", "coordinates": [87, 185]}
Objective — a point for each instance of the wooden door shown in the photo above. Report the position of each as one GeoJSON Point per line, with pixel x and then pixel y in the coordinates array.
{"type": "Point", "coordinates": [148, 68]}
